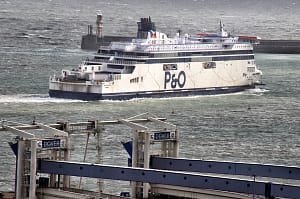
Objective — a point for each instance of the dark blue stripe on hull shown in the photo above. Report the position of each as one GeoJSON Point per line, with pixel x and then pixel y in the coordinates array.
{"type": "Point", "coordinates": [153, 94]}
{"type": "Point", "coordinates": [75, 95]}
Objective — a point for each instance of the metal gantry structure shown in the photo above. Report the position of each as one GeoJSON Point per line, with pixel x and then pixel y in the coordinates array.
{"type": "Point", "coordinates": [155, 167]}
{"type": "Point", "coordinates": [143, 137]}
{"type": "Point", "coordinates": [30, 148]}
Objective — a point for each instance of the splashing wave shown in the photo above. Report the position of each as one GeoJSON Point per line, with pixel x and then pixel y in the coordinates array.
{"type": "Point", "coordinates": [33, 98]}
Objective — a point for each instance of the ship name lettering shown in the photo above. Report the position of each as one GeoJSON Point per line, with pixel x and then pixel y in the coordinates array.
{"type": "Point", "coordinates": [175, 80]}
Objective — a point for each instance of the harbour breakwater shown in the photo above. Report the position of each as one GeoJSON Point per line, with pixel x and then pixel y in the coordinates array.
{"type": "Point", "coordinates": [278, 46]}
{"type": "Point", "coordinates": [92, 42]}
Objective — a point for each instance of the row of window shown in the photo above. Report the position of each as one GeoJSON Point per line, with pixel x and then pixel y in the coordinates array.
{"type": "Point", "coordinates": [174, 54]}
{"type": "Point", "coordinates": [207, 53]}
{"type": "Point", "coordinates": [115, 66]}
{"type": "Point", "coordinates": [121, 53]}
{"type": "Point", "coordinates": [200, 59]}
{"type": "Point", "coordinates": [227, 58]}
{"type": "Point", "coordinates": [119, 60]}
{"type": "Point", "coordinates": [136, 80]}
{"type": "Point", "coordinates": [126, 69]}
{"type": "Point", "coordinates": [184, 54]}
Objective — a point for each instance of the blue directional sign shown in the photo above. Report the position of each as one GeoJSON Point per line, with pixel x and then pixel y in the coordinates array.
{"type": "Point", "coordinates": [164, 135]}
{"type": "Point", "coordinates": [54, 143]}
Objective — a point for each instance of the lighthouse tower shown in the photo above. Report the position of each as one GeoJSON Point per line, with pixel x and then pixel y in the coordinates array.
{"type": "Point", "coordinates": [99, 26]}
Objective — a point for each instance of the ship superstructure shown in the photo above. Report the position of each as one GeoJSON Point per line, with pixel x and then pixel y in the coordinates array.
{"type": "Point", "coordinates": [158, 66]}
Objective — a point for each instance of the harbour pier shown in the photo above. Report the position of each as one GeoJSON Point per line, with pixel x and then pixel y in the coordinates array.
{"type": "Point", "coordinates": [44, 169]}
{"type": "Point", "coordinates": [93, 41]}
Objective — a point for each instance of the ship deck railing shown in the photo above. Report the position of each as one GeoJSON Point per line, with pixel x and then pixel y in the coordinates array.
{"type": "Point", "coordinates": [121, 55]}
{"type": "Point", "coordinates": [144, 47]}
{"type": "Point", "coordinates": [116, 61]}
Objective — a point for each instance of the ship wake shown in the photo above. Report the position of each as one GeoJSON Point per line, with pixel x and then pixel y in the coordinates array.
{"type": "Point", "coordinates": [33, 98]}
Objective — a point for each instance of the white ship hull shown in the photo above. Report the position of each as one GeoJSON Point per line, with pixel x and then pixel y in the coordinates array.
{"type": "Point", "coordinates": [151, 80]}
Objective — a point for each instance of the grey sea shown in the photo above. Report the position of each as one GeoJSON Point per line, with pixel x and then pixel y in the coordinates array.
{"type": "Point", "coordinates": [40, 37]}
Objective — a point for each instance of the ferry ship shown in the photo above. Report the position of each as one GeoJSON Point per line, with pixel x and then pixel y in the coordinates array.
{"type": "Point", "coordinates": [156, 66]}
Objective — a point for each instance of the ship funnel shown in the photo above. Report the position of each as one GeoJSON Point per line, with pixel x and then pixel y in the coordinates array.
{"type": "Point", "coordinates": [144, 26]}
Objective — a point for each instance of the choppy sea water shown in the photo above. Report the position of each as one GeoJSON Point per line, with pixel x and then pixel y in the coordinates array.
{"type": "Point", "coordinates": [39, 38]}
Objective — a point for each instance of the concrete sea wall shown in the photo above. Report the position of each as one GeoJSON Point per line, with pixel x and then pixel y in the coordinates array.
{"type": "Point", "coordinates": [91, 42]}
{"type": "Point", "coordinates": [278, 46]}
